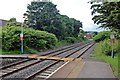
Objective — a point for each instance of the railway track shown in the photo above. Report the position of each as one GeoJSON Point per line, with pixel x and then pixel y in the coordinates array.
{"type": "Point", "coordinates": [10, 61]}
{"type": "Point", "coordinates": [6, 61]}
{"type": "Point", "coordinates": [29, 68]}
{"type": "Point", "coordinates": [47, 72]}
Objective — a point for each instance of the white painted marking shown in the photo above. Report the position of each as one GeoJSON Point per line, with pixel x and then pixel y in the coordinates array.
{"type": "Point", "coordinates": [57, 69]}
{"type": "Point", "coordinates": [39, 76]}
{"type": "Point", "coordinates": [47, 71]}
{"type": "Point", "coordinates": [45, 74]}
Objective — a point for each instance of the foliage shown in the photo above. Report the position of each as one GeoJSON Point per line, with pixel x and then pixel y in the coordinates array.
{"type": "Point", "coordinates": [30, 50]}
{"type": "Point", "coordinates": [107, 14]}
{"type": "Point", "coordinates": [98, 54]}
{"type": "Point", "coordinates": [10, 52]}
{"type": "Point", "coordinates": [0, 31]}
{"type": "Point", "coordinates": [94, 34]}
{"type": "Point", "coordinates": [72, 26]}
{"type": "Point", "coordinates": [81, 37]}
{"type": "Point", "coordinates": [33, 39]}
{"type": "Point", "coordinates": [45, 16]}
{"type": "Point", "coordinates": [106, 47]}
{"type": "Point", "coordinates": [13, 22]}
{"type": "Point", "coordinates": [0, 39]}
{"type": "Point", "coordinates": [71, 39]}
{"type": "Point", "coordinates": [102, 36]}
{"type": "Point", "coordinates": [0, 51]}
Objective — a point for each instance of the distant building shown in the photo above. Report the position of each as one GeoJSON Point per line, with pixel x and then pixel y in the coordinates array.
{"type": "Point", "coordinates": [88, 35]}
{"type": "Point", "coordinates": [3, 22]}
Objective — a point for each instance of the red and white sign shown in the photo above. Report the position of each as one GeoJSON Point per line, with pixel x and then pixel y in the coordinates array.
{"type": "Point", "coordinates": [21, 36]}
{"type": "Point", "coordinates": [112, 38]}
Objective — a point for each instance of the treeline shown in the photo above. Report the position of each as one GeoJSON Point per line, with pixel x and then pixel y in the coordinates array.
{"type": "Point", "coordinates": [107, 14]}
{"type": "Point", "coordinates": [45, 16]}
{"type": "Point", "coordinates": [44, 28]}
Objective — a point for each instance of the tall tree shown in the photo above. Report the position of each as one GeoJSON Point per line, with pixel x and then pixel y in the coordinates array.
{"type": "Point", "coordinates": [13, 22]}
{"type": "Point", "coordinates": [44, 16]}
{"type": "Point", "coordinates": [77, 25]}
{"type": "Point", "coordinates": [41, 14]}
{"type": "Point", "coordinates": [72, 26]}
{"type": "Point", "coordinates": [107, 14]}
{"type": "Point", "coordinates": [68, 26]}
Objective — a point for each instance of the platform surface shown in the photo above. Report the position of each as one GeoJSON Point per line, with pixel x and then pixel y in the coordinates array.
{"type": "Point", "coordinates": [18, 55]}
{"type": "Point", "coordinates": [85, 69]}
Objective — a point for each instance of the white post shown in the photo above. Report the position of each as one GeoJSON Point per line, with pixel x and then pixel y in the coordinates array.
{"type": "Point", "coordinates": [22, 37]}
{"type": "Point", "coordinates": [112, 40]}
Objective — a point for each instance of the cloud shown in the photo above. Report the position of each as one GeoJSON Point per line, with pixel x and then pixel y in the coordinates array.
{"type": "Point", "coordinates": [91, 27]}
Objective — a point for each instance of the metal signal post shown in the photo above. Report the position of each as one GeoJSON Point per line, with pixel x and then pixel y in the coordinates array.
{"type": "Point", "coordinates": [22, 36]}
{"type": "Point", "coordinates": [112, 41]}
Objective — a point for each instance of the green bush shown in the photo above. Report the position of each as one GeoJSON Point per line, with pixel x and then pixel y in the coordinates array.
{"type": "Point", "coordinates": [0, 31]}
{"type": "Point", "coordinates": [29, 50]}
{"type": "Point", "coordinates": [106, 47]}
{"type": "Point", "coordinates": [71, 39]}
{"type": "Point", "coordinates": [102, 36]}
{"type": "Point", "coordinates": [0, 38]}
{"type": "Point", "coordinates": [33, 39]}
{"type": "Point", "coordinates": [81, 37]}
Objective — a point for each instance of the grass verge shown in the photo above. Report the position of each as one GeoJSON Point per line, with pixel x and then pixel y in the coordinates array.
{"type": "Point", "coordinates": [27, 51]}
{"type": "Point", "coordinates": [100, 56]}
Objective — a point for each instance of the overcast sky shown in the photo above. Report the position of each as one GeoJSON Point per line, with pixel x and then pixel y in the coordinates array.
{"type": "Point", "coordinates": [78, 9]}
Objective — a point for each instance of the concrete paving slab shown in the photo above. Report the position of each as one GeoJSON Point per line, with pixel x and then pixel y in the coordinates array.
{"type": "Point", "coordinates": [70, 70]}
{"type": "Point", "coordinates": [96, 69]}
{"type": "Point", "coordinates": [85, 69]}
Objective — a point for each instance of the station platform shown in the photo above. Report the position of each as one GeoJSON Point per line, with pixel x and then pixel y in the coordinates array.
{"type": "Point", "coordinates": [89, 69]}
{"type": "Point", "coordinates": [85, 69]}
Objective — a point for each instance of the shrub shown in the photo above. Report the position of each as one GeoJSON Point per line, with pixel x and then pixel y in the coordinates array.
{"type": "Point", "coordinates": [102, 36]}
{"type": "Point", "coordinates": [81, 37]}
{"type": "Point", "coordinates": [33, 39]}
{"type": "Point", "coordinates": [71, 39]}
{"type": "Point", "coordinates": [0, 31]}
{"type": "Point", "coordinates": [106, 47]}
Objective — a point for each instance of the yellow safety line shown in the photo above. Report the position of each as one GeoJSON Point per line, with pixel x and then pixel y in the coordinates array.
{"type": "Point", "coordinates": [32, 56]}
{"type": "Point", "coordinates": [54, 58]}
{"type": "Point", "coordinates": [77, 59]}
{"type": "Point", "coordinates": [67, 59]}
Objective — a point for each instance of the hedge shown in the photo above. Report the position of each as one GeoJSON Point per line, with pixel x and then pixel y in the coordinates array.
{"type": "Point", "coordinates": [102, 36]}
{"type": "Point", "coordinates": [32, 38]}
